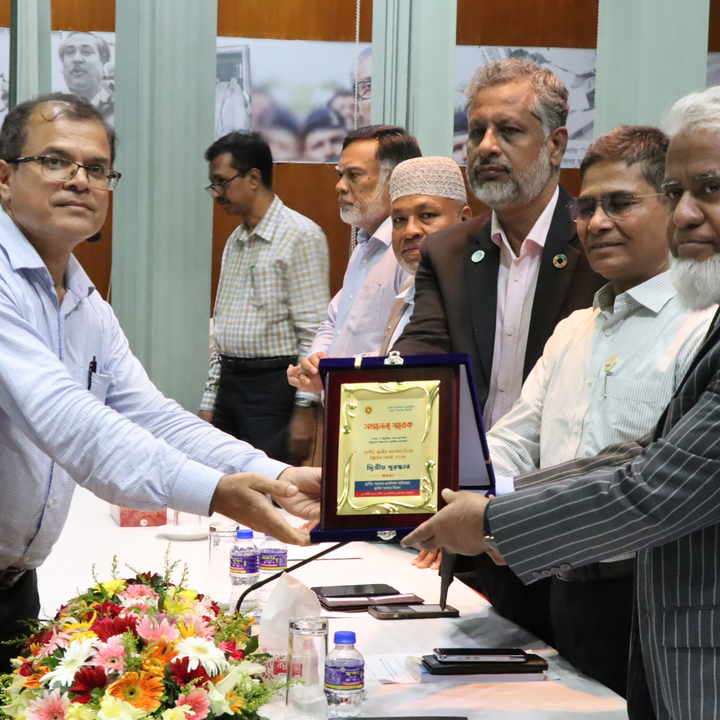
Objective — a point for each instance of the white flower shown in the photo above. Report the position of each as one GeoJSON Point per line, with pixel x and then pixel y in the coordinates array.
{"type": "Point", "coordinates": [179, 712]}
{"type": "Point", "coordinates": [112, 708]}
{"type": "Point", "coordinates": [77, 654]}
{"type": "Point", "coordinates": [202, 652]}
{"type": "Point", "coordinates": [19, 706]}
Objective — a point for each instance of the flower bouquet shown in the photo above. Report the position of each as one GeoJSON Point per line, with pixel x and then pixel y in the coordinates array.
{"type": "Point", "coordinates": [137, 648]}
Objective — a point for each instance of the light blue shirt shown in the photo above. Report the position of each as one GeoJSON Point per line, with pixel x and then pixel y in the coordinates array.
{"type": "Point", "coordinates": [123, 440]}
{"type": "Point", "coordinates": [355, 324]}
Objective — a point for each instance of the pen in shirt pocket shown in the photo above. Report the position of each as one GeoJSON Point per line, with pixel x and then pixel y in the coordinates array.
{"type": "Point", "coordinates": [92, 368]}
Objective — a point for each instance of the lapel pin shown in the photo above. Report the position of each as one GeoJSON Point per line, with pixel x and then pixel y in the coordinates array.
{"type": "Point", "coordinates": [611, 363]}
{"type": "Point", "coordinates": [560, 260]}
{"type": "Point", "coordinates": [477, 256]}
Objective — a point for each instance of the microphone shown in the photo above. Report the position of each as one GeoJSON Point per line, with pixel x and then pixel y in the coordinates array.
{"type": "Point", "coordinates": [95, 237]}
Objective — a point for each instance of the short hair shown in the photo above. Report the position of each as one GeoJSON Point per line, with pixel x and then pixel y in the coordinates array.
{"type": "Point", "coordinates": [13, 134]}
{"type": "Point", "coordinates": [395, 144]}
{"type": "Point", "coordinates": [325, 118]}
{"type": "Point", "coordinates": [102, 47]}
{"type": "Point", "coordinates": [631, 144]}
{"type": "Point", "coordinates": [247, 151]}
{"type": "Point", "coordinates": [277, 117]}
{"type": "Point", "coordinates": [550, 106]}
{"type": "Point", "coordinates": [696, 111]}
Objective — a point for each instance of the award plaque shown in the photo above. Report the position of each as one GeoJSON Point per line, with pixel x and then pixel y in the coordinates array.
{"type": "Point", "coordinates": [397, 431]}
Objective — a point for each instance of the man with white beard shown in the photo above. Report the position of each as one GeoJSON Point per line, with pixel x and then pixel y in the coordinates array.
{"type": "Point", "coordinates": [495, 288]}
{"type": "Point", "coordinates": [665, 505]}
{"type": "Point", "coordinates": [356, 315]}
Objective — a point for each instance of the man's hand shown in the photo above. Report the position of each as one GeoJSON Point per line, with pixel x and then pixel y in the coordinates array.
{"type": "Point", "coordinates": [301, 434]}
{"type": "Point", "coordinates": [428, 559]}
{"type": "Point", "coordinates": [243, 497]}
{"type": "Point", "coordinates": [458, 527]}
{"type": "Point", "coordinates": [206, 415]}
{"type": "Point", "coordinates": [306, 502]}
{"type": "Point", "coordinates": [306, 375]}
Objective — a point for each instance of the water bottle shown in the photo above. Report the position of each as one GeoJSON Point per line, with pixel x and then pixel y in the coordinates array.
{"type": "Point", "coordinates": [243, 565]}
{"type": "Point", "coordinates": [272, 558]}
{"type": "Point", "coordinates": [344, 677]}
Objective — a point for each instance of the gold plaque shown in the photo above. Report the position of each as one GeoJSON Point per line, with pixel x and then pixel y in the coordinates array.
{"type": "Point", "coordinates": [388, 444]}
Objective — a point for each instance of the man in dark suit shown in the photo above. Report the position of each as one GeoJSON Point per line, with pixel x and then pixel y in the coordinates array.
{"type": "Point", "coordinates": [496, 288]}
{"type": "Point", "coordinates": [666, 504]}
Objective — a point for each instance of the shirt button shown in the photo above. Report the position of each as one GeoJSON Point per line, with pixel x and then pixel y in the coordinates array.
{"type": "Point", "coordinates": [565, 567]}
{"type": "Point", "coordinates": [576, 429]}
{"type": "Point", "coordinates": [591, 381]}
{"type": "Point", "coordinates": [364, 261]}
{"type": "Point", "coordinates": [516, 278]}
{"type": "Point", "coordinates": [351, 297]}
{"type": "Point", "coordinates": [501, 388]}
{"type": "Point", "coordinates": [608, 331]}
{"type": "Point", "coordinates": [50, 503]}
{"type": "Point", "coordinates": [510, 332]}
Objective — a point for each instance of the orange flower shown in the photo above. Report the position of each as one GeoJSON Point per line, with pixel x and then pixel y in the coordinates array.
{"type": "Point", "coordinates": [235, 702]}
{"type": "Point", "coordinates": [141, 690]}
{"type": "Point", "coordinates": [157, 657]}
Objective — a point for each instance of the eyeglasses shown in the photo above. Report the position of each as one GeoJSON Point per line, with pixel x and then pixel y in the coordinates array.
{"type": "Point", "coordinates": [615, 205]}
{"type": "Point", "coordinates": [219, 187]}
{"type": "Point", "coordinates": [63, 170]}
{"type": "Point", "coordinates": [364, 89]}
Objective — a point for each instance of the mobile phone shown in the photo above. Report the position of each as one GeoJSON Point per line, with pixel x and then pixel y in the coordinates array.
{"type": "Point", "coordinates": [479, 655]}
{"type": "Point", "coordinates": [362, 601]}
{"type": "Point", "coordinates": [354, 590]}
{"type": "Point", "coordinates": [407, 612]}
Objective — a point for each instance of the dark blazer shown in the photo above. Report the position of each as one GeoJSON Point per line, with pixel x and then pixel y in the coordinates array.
{"type": "Point", "coordinates": [456, 298]}
{"type": "Point", "coordinates": [666, 506]}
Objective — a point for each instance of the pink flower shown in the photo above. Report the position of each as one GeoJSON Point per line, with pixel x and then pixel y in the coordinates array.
{"type": "Point", "coordinates": [230, 647]}
{"type": "Point", "coordinates": [51, 706]}
{"type": "Point", "coordinates": [198, 700]}
{"type": "Point", "coordinates": [135, 592]}
{"type": "Point", "coordinates": [202, 629]}
{"type": "Point", "coordinates": [148, 630]}
{"type": "Point", "coordinates": [111, 655]}
{"type": "Point", "coordinates": [57, 640]}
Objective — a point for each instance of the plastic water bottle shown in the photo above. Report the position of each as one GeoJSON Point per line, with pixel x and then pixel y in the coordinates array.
{"type": "Point", "coordinates": [272, 558]}
{"type": "Point", "coordinates": [344, 677]}
{"type": "Point", "coordinates": [243, 565]}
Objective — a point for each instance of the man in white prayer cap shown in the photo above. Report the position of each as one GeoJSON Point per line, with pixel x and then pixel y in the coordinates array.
{"type": "Point", "coordinates": [427, 194]}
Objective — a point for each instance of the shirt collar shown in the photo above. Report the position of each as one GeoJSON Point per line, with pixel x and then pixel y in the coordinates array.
{"type": "Point", "coordinates": [539, 231]}
{"type": "Point", "coordinates": [653, 294]}
{"type": "Point", "coordinates": [267, 226]}
{"type": "Point", "coordinates": [23, 256]}
{"type": "Point", "coordinates": [383, 234]}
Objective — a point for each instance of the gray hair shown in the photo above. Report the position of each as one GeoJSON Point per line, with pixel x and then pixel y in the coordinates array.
{"type": "Point", "coordinates": [102, 47]}
{"type": "Point", "coordinates": [550, 106]}
{"type": "Point", "coordinates": [696, 111]}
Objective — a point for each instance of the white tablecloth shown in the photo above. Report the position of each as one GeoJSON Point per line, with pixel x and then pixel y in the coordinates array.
{"type": "Point", "coordinates": [91, 537]}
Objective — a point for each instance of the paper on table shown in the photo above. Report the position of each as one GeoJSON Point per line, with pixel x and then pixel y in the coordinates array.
{"type": "Point", "coordinates": [347, 552]}
{"type": "Point", "coordinates": [504, 485]}
{"type": "Point", "coordinates": [390, 669]}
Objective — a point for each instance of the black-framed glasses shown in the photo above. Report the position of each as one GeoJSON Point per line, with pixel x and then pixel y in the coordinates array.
{"type": "Point", "coordinates": [364, 89]}
{"type": "Point", "coordinates": [615, 205]}
{"type": "Point", "coordinates": [64, 170]}
{"type": "Point", "coordinates": [219, 187]}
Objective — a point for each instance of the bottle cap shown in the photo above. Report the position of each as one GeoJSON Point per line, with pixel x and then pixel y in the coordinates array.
{"type": "Point", "coordinates": [344, 637]}
{"type": "Point", "coordinates": [245, 534]}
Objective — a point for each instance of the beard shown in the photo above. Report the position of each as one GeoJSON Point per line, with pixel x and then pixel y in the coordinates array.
{"type": "Point", "coordinates": [518, 189]}
{"type": "Point", "coordinates": [697, 281]}
{"type": "Point", "coordinates": [374, 208]}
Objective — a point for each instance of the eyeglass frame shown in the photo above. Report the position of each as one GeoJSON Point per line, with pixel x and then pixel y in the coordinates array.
{"type": "Point", "coordinates": [112, 177]}
{"type": "Point", "coordinates": [214, 187]}
{"type": "Point", "coordinates": [604, 202]}
{"type": "Point", "coordinates": [362, 96]}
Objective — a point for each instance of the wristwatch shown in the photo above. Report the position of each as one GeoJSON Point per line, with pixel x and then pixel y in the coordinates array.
{"type": "Point", "coordinates": [488, 537]}
{"type": "Point", "coordinates": [304, 402]}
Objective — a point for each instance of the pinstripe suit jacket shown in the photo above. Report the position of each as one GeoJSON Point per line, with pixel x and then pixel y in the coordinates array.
{"type": "Point", "coordinates": [666, 505]}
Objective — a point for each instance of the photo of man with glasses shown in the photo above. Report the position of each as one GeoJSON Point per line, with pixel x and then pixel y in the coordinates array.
{"type": "Point", "coordinates": [272, 295]}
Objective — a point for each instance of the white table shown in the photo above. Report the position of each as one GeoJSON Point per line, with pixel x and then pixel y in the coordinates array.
{"type": "Point", "coordinates": [92, 537]}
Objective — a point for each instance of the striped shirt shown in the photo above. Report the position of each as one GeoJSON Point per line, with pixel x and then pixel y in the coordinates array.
{"type": "Point", "coordinates": [121, 438]}
{"type": "Point", "coordinates": [273, 291]}
{"type": "Point", "coordinates": [605, 376]}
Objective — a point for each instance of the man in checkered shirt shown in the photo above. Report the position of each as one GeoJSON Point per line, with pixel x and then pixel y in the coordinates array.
{"type": "Point", "coordinates": [272, 295]}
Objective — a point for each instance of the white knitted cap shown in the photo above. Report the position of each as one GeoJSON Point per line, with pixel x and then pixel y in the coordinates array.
{"type": "Point", "coordinates": [438, 176]}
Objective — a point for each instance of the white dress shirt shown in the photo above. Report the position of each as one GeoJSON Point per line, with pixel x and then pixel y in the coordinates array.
{"type": "Point", "coordinates": [605, 376]}
{"type": "Point", "coordinates": [517, 278]}
{"type": "Point", "coordinates": [355, 324]}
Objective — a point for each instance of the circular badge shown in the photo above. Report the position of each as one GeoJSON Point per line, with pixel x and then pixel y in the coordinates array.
{"type": "Point", "coordinates": [477, 256]}
{"type": "Point", "coordinates": [560, 260]}
{"type": "Point", "coordinates": [368, 409]}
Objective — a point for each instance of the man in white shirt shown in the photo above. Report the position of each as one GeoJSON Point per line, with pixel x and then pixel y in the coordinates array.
{"type": "Point", "coordinates": [605, 376]}
{"type": "Point", "coordinates": [356, 315]}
